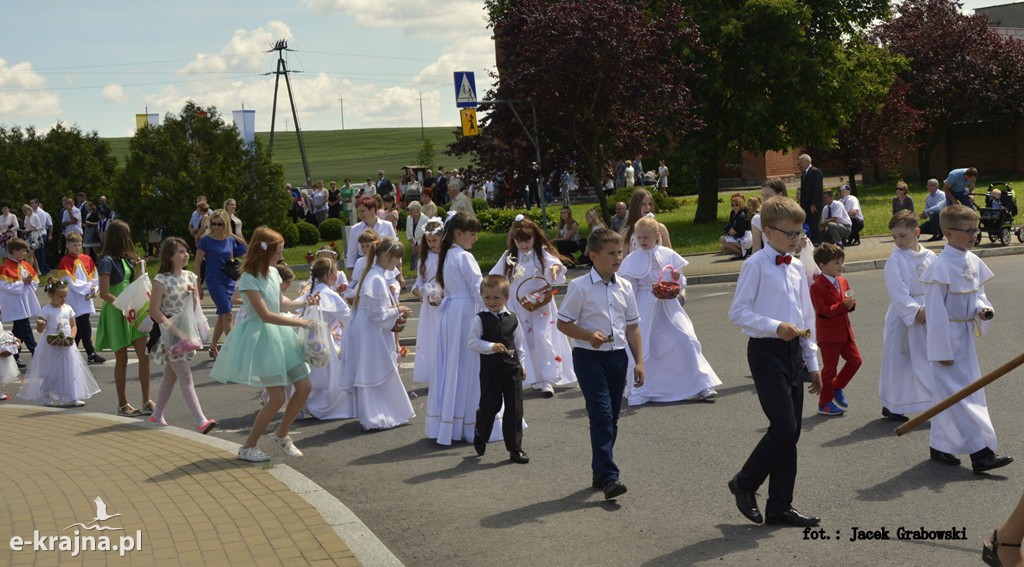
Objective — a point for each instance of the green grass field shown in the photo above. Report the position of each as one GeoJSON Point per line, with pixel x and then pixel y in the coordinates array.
{"type": "Point", "coordinates": [337, 154]}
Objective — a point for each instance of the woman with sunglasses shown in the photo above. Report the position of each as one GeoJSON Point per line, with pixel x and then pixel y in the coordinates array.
{"type": "Point", "coordinates": [218, 248]}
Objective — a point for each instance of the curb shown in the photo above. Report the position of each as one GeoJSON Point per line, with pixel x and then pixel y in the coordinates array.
{"type": "Point", "coordinates": [367, 548]}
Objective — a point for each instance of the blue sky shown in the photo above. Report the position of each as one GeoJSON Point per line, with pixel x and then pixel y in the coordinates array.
{"type": "Point", "coordinates": [97, 64]}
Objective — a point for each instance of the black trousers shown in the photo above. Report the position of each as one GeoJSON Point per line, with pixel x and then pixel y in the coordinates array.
{"type": "Point", "coordinates": [84, 335]}
{"type": "Point", "coordinates": [499, 385]}
{"type": "Point", "coordinates": [777, 367]}
{"type": "Point", "coordinates": [22, 328]}
{"type": "Point", "coordinates": [855, 229]}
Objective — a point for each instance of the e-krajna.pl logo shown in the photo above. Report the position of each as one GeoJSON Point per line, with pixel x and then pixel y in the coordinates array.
{"type": "Point", "coordinates": [78, 542]}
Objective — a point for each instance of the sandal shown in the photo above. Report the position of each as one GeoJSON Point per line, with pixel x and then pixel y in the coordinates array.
{"type": "Point", "coordinates": [148, 408]}
{"type": "Point", "coordinates": [214, 351]}
{"type": "Point", "coordinates": [990, 552]}
{"type": "Point", "coordinates": [127, 410]}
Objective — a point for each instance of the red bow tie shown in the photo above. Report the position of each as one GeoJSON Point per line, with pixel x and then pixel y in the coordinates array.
{"type": "Point", "coordinates": [780, 259]}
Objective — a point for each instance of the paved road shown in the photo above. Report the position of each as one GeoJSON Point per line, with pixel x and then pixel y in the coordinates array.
{"type": "Point", "coordinates": [442, 506]}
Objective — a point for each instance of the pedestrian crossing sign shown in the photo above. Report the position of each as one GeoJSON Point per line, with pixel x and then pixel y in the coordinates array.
{"type": "Point", "coordinates": [469, 126]}
{"type": "Point", "coordinates": [465, 89]}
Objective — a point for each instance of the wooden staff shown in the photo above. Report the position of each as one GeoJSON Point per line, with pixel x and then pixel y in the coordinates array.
{"type": "Point", "coordinates": [963, 393]}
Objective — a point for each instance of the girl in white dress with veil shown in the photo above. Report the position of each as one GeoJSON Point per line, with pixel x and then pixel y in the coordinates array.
{"type": "Point", "coordinates": [369, 358]}
{"type": "Point", "coordinates": [674, 366]}
{"type": "Point", "coordinates": [532, 262]}
{"type": "Point", "coordinates": [327, 398]}
{"type": "Point", "coordinates": [429, 292]}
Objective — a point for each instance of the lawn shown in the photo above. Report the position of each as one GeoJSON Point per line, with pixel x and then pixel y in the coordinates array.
{"type": "Point", "coordinates": [337, 154]}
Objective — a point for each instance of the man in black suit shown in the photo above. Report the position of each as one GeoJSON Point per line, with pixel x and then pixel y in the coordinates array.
{"type": "Point", "coordinates": [441, 187]}
{"type": "Point", "coordinates": [811, 196]}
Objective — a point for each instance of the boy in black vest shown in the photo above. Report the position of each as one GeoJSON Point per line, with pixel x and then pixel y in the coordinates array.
{"type": "Point", "coordinates": [496, 335]}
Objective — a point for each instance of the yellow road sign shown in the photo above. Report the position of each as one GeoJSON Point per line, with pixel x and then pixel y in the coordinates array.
{"type": "Point", "coordinates": [469, 127]}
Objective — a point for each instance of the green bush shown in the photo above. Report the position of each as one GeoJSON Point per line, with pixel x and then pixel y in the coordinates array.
{"type": "Point", "coordinates": [290, 232]}
{"type": "Point", "coordinates": [402, 215]}
{"type": "Point", "coordinates": [332, 229]}
{"type": "Point", "coordinates": [308, 234]}
{"type": "Point", "coordinates": [499, 221]}
{"type": "Point", "coordinates": [662, 204]}
{"type": "Point", "coordinates": [442, 212]}
{"type": "Point", "coordinates": [480, 205]}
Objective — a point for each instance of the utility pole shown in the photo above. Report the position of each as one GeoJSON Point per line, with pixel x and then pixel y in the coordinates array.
{"type": "Point", "coordinates": [341, 101]}
{"type": "Point", "coordinates": [423, 135]}
{"type": "Point", "coordinates": [282, 69]}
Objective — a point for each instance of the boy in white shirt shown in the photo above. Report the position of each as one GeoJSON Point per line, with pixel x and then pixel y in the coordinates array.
{"type": "Point", "coordinates": [600, 314]}
{"type": "Point", "coordinates": [773, 307]}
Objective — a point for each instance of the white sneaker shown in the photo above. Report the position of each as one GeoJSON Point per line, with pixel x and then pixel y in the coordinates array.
{"type": "Point", "coordinates": [77, 403]}
{"type": "Point", "coordinates": [286, 445]}
{"type": "Point", "coordinates": [252, 454]}
{"type": "Point", "coordinates": [547, 390]}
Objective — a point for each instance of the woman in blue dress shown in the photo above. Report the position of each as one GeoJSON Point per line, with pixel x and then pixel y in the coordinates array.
{"type": "Point", "coordinates": [218, 248]}
{"type": "Point", "coordinates": [261, 351]}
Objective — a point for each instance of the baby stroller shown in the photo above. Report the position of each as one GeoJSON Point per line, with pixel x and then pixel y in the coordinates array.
{"type": "Point", "coordinates": [998, 213]}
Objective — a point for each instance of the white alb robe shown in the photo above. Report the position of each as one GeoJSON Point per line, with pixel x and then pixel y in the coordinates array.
{"type": "Point", "coordinates": [904, 383]}
{"type": "Point", "coordinates": [954, 292]}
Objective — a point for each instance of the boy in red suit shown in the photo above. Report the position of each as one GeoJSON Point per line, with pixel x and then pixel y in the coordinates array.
{"type": "Point", "coordinates": [833, 300]}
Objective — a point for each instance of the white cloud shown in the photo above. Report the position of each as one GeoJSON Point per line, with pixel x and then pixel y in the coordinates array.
{"type": "Point", "coordinates": [463, 55]}
{"type": "Point", "coordinates": [243, 52]}
{"type": "Point", "coordinates": [415, 17]}
{"type": "Point", "coordinates": [22, 92]}
{"type": "Point", "coordinates": [113, 93]}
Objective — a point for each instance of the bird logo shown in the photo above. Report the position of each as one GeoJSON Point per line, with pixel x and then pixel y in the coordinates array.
{"type": "Point", "coordinates": [101, 516]}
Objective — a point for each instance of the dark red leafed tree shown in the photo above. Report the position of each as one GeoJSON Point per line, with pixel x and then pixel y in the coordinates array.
{"type": "Point", "coordinates": [605, 76]}
{"type": "Point", "coordinates": [876, 135]}
{"type": "Point", "coordinates": [960, 69]}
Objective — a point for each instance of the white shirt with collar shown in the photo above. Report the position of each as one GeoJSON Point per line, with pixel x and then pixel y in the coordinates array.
{"type": "Point", "coordinates": [837, 210]}
{"type": "Point", "coordinates": [851, 203]}
{"type": "Point", "coordinates": [596, 305]}
{"type": "Point", "coordinates": [768, 294]}
{"type": "Point", "coordinates": [477, 344]}
{"type": "Point", "coordinates": [76, 216]}
{"type": "Point", "coordinates": [45, 223]}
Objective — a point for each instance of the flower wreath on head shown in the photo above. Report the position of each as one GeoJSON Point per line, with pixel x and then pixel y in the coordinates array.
{"type": "Point", "coordinates": [53, 284]}
{"type": "Point", "coordinates": [434, 231]}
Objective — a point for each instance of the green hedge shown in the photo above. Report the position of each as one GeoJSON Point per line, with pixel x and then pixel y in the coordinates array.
{"type": "Point", "coordinates": [662, 204]}
{"type": "Point", "coordinates": [308, 234]}
{"type": "Point", "coordinates": [332, 229]}
{"type": "Point", "coordinates": [290, 232]}
{"type": "Point", "coordinates": [499, 221]}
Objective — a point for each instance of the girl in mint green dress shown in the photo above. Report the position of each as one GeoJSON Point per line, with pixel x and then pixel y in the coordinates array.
{"type": "Point", "coordinates": [262, 351]}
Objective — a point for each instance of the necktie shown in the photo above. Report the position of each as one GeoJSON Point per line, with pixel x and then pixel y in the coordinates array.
{"type": "Point", "coordinates": [780, 259]}
{"type": "Point", "coordinates": [500, 316]}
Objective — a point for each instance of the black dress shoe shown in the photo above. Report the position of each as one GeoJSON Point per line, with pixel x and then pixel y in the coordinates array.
{"type": "Point", "coordinates": [986, 460]}
{"type": "Point", "coordinates": [479, 445]}
{"type": "Point", "coordinates": [518, 457]}
{"type": "Point", "coordinates": [894, 416]}
{"type": "Point", "coordinates": [21, 365]}
{"type": "Point", "coordinates": [596, 484]}
{"type": "Point", "coordinates": [613, 489]}
{"type": "Point", "coordinates": [746, 503]}
{"type": "Point", "coordinates": [935, 238]}
{"type": "Point", "coordinates": [791, 518]}
{"type": "Point", "coordinates": [944, 458]}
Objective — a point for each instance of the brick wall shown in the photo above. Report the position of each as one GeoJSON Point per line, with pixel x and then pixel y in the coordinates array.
{"type": "Point", "coordinates": [993, 148]}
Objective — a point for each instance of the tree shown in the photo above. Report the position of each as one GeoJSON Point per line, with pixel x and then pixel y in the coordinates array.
{"type": "Point", "coordinates": [605, 80]}
{"type": "Point", "coordinates": [197, 153]}
{"type": "Point", "coordinates": [776, 74]}
{"type": "Point", "coordinates": [876, 134]}
{"type": "Point", "coordinates": [61, 163]}
{"type": "Point", "coordinates": [960, 69]}
{"type": "Point", "coordinates": [425, 156]}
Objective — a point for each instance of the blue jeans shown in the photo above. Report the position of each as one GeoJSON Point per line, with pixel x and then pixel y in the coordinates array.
{"type": "Point", "coordinates": [44, 266]}
{"type": "Point", "coordinates": [602, 378]}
